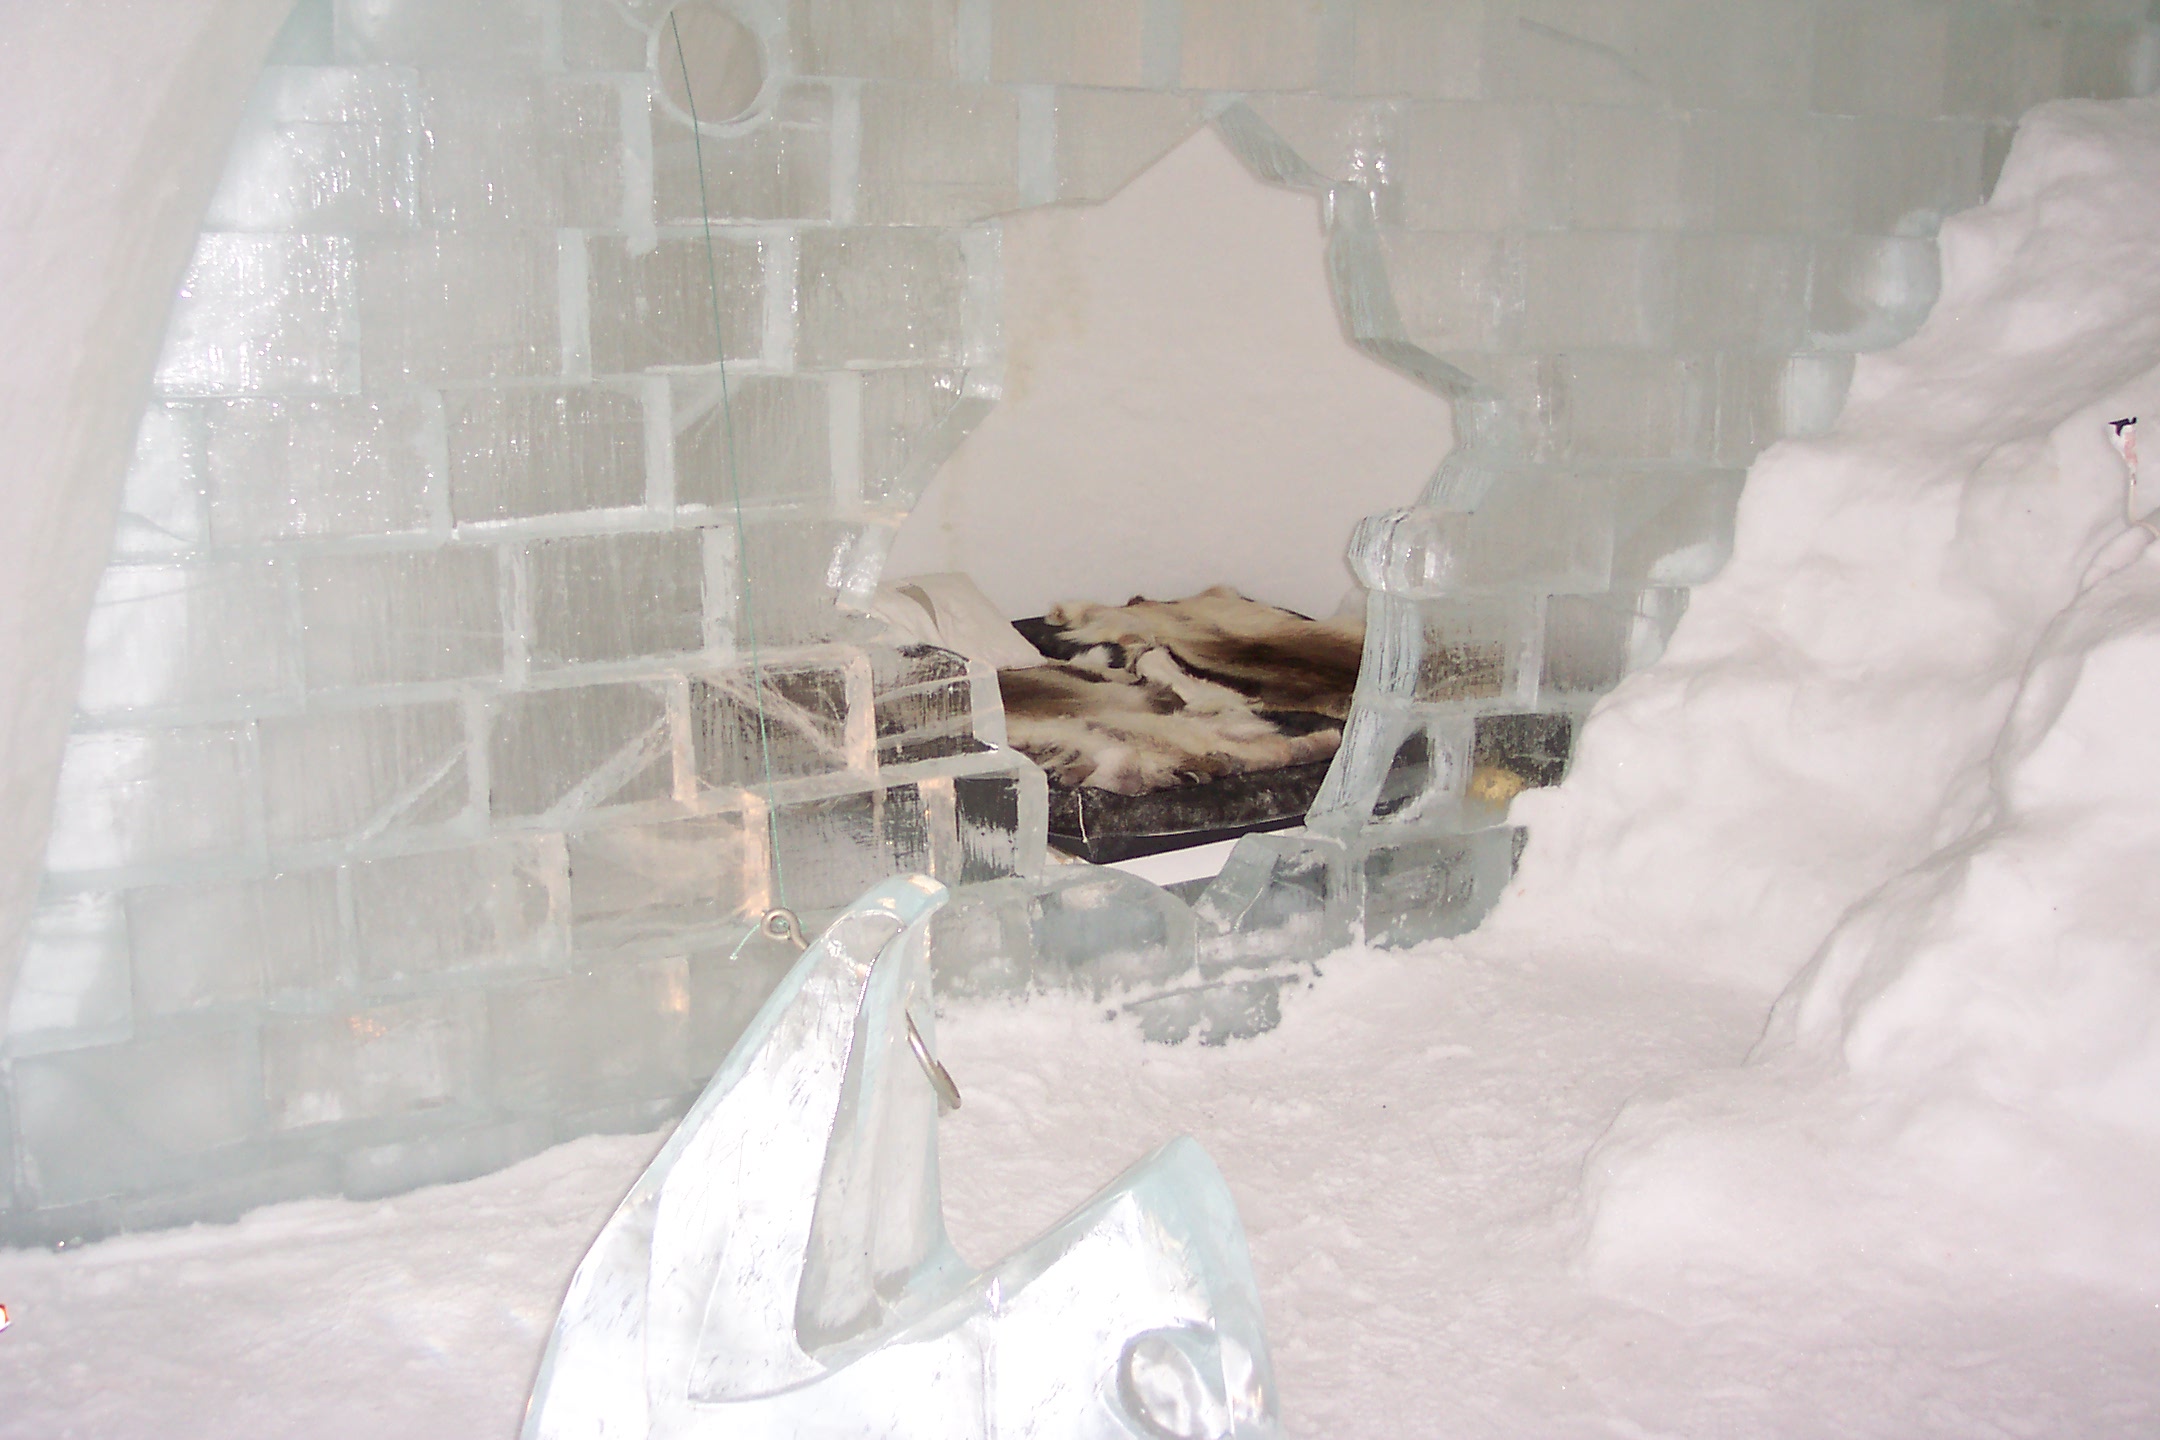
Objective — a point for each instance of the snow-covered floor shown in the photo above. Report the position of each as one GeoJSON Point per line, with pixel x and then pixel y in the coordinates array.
{"type": "Point", "coordinates": [1406, 1151]}
{"type": "Point", "coordinates": [1808, 1084]}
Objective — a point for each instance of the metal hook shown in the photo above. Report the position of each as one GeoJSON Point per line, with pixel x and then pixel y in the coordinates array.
{"type": "Point", "coordinates": [948, 1094]}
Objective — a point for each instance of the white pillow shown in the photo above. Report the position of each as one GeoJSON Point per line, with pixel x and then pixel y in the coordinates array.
{"type": "Point", "coordinates": [949, 611]}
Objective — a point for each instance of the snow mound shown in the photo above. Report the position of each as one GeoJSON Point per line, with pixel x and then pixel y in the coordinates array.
{"type": "Point", "coordinates": [1899, 762]}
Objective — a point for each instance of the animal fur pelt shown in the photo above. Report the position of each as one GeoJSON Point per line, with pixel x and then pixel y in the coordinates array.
{"type": "Point", "coordinates": [1154, 693]}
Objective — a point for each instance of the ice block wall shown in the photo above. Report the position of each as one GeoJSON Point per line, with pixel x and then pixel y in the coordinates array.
{"type": "Point", "coordinates": [414, 802]}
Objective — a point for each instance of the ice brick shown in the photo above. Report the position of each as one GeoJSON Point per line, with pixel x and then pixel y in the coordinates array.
{"type": "Point", "coordinates": [876, 38]}
{"type": "Point", "coordinates": [373, 1063]}
{"type": "Point", "coordinates": [178, 635]}
{"type": "Point", "coordinates": [573, 750]}
{"type": "Point", "coordinates": [1479, 652]}
{"type": "Point", "coordinates": [778, 169]}
{"type": "Point", "coordinates": [1631, 405]}
{"type": "Point", "coordinates": [892, 294]}
{"type": "Point", "coordinates": [357, 775]}
{"type": "Point", "coordinates": [1769, 172]}
{"type": "Point", "coordinates": [1105, 138]}
{"type": "Point", "coordinates": [924, 704]}
{"type": "Point", "coordinates": [1276, 898]}
{"type": "Point", "coordinates": [1479, 166]}
{"type": "Point", "coordinates": [1880, 59]}
{"type": "Point", "coordinates": [115, 1118]}
{"type": "Point", "coordinates": [1452, 290]}
{"type": "Point", "coordinates": [265, 314]}
{"type": "Point", "coordinates": [1739, 55]}
{"type": "Point", "coordinates": [503, 34]}
{"type": "Point", "coordinates": [788, 584]}
{"type": "Point", "coordinates": [1340, 140]}
{"type": "Point", "coordinates": [198, 945]}
{"type": "Point", "coordinates": [780, 451]}
{"type": "Point", "coordinates": [540, 153]}
{"type": "Point", "coordinates": [525, 452]}
{"type": "Point", "coordinates": [1884, 177]}
{"type": "Point", "coordinates": [614, 597]}
{"type": "Point", "coordinates": [448, 307]}
{"type": "Point", "coordinates": [1867, 293]}
{"type": "Point", "coordinates": [983, 827]}
{"type": "Point", "coordinates": [320, 149]}
{"type": "Point", "coordinates": [937, 155]}
{"type": "Point", "coordinates": [1432, 51]}
{"type": "Point", "coordinates": [138, 797]}
{"type": "Point", "coordinates": [1550, 532]}
{"type": "Point", "coordinates": [1580, 51]}
{"type": "Point", "coordinates": [656, 308]}
{"type": "Point", "coordinates": [811, 722]}
{"type": "Point", "coordinates": [1532, 748]}
{"type": "Point", "coordinates": [602, 35]}
{"type": "Point", "coordinates": [1426, 775]}
{"type": "Point", "coordinates": [912, 420]}
{"type": "Point", "coordinates": [2108, 58]}
{"type": "Point", "coordinates": [982, 941]}
{"type": "Point", "coordinates": [634, 882]}
{"type": "Point", "coordinates": [1047, 42]}
{"type": "Point", "coordinates": [1589, 289]}
{"type": "Point", "coordinates": [501, 903]}
{"type": "Point", "coordinates": [280, 469]}
{"type": "Point", "coordinates": [440, 1156]}
{"type": "Point", "coordinates": [398, 617]}
{"type": "Point", "coordinates": [1674, 527]}
{"type": "Point", "coordinates": [73, 981]}
{"type": "Point", "coordinates": [161, 502]}
{"type": "Point", "coordinates": [1103, 931]}
{"type": "Point", "coordinates": [830, 851]}
{"type": "Point", "coordinates": [616, 1034]}
{"type": "Point", "coordinates": [1742, 292]}
{"type": "Point", "coordinates": [1251, 45]}
{"type": "Point", "coordinates": [1587, 644]}
{"type": "Point", "coordinates": [1999, 61]}
{"type": "Point", "coordinates": [1433, 887]}
{"type": "Point", "coordinates": [1634, 170]}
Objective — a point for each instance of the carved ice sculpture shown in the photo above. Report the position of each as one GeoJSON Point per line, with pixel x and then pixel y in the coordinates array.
{"type": "Point", "coordinates": [782, 1268]}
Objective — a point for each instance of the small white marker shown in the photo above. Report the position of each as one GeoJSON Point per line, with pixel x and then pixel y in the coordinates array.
{"type": "Point", "coordinates": [3, 1317]}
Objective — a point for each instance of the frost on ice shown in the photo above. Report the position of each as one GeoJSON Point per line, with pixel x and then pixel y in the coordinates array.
{"type": "Point", "coordinates": [782, 1268]}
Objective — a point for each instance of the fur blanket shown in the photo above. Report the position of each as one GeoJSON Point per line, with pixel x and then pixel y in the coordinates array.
{"type": "Point", "coordinates": [1157, 693]}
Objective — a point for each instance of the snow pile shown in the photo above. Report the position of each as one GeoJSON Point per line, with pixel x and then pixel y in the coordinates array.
{"type": "Point", "coordinates": [1900, 761]}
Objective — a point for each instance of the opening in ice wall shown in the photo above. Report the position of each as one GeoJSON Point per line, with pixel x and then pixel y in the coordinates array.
{"type": "Point", "coordinates": [411, 798]}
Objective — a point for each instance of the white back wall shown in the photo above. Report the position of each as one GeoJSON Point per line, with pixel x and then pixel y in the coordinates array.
{"type": "Point", "coordinates": [1181, 408]}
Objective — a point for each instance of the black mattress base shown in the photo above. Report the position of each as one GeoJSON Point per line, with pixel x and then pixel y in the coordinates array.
{"type": "Point", "coordinates": [1102, 827]}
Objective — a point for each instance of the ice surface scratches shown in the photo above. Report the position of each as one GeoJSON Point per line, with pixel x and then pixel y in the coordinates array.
{"type": "Point", "coordinates": [782, 1268]}
{"type": "Point", "coordinates": [1898, 761]}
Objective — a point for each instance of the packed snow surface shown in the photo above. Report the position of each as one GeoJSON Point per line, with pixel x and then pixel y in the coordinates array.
{"type": "Point", "coordinates": [1808, 1083]}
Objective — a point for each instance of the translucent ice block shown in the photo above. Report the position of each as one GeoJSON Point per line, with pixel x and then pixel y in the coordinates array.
{"type": "Point", "coordinates": [515, 453]}
{"type": "Point", "coordinates": [782, 1268]}
{"type": "Point", "coordinates": [74, 979]}
{"type": "Point", "coordinates": [615, 597]}
{"type": "Point", "coordinates": [937, 156]}
{"type": "Point", "coordinates": [566, 752]}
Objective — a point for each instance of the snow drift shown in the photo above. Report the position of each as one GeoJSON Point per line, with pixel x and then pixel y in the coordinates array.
{"type": "Point", "coordinates": [1899, 762]}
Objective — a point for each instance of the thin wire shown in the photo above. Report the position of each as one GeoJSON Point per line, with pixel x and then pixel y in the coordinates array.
{"type": "Point", "coordinates": [727, 429]}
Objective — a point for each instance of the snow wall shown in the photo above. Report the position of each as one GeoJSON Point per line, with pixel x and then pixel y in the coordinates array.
{"type": "Point", "coordinates": [410, 809]}
{"type": "Point", "coordinates": [1897, 769]}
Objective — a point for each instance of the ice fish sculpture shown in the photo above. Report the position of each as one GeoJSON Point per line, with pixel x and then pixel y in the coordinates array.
{"type": "Point", "coordinates": [782, 1269]}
